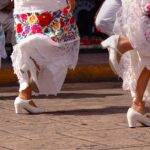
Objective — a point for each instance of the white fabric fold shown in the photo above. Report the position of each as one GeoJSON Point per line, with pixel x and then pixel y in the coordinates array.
{"type": "Point", "coordinates": [29, 6]}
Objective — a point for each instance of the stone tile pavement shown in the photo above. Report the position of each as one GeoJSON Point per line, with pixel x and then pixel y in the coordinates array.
{"type": "Point", "coordinates": [84, 116]}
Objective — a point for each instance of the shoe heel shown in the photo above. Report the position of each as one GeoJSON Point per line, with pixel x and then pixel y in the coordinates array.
{"type": "Point", "coordinates": [132, 121]}
{"type": "Point", "coordinates": [18, 109]}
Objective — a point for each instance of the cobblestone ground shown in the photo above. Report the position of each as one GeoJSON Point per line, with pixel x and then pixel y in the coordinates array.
{"type": "Point", "coordinates": [84, 116]}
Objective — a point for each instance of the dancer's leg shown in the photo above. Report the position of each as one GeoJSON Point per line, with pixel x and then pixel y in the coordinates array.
{"type": "Point", "coordinates": [142, 82]}
{"type": "Point", "coordinates": [26, 95]}
{"type": "Point", "coordinates": [23, 101]}
{"type": "Point", "coordinates": [135, 115]}
{"type": "Point", "coordinates": [116, 45]}
{"type": "Point", "coordinates": [124, 45]}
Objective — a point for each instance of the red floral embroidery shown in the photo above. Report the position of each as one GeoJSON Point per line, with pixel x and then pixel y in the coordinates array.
{"type": "Point", "coordinates": [19, 28]}
{"type": "Point", "coordinates": [66, 11]}
{"type": "Point", "coordinates": [62, 23]}
{"type": "Point", "coordinates": [60, 26]}
{"type": "Point", "coordinates": [72, 20]}
{"type": "Point", "coordinates": [45, 19]}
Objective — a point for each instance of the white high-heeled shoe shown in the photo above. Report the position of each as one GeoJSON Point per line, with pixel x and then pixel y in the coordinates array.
{"type": "Point", "coordinates": [111, 45]}
{"type": "Point", "coordinates": [21, 105]}
{"type": "Point", "coordinates": [134, 118]}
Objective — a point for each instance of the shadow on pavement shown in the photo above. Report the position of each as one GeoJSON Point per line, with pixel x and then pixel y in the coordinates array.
{"type": "Point", "coordinates": [66, 96]}
{"type": "Point", "coordinates": [87, 112]}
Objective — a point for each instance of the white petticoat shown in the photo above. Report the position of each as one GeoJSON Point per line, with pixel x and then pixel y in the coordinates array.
{"type": "Point", "coordinates": [54, 61]}
{"type": "Point", "coordinates": [132, 23]}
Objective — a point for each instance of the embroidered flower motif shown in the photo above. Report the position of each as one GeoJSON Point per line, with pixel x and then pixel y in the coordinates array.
{"type": "Point", "coordinates": [66, 11]}
{"type": "Point", "coordinates": [72, 20]}
{"type": "Point", "coordinates": [24, 17]}
{"type": "Point", "coordinates": [24, 33]}
{"type": "Point", "coordinates": [27, 29]}
{"type": "Point", "coordinates": [60, 26]}
{"type": "Point", "coordinates": [19, 28]}
{"type": "Point", "coordinates": [62, 23]}
{"type": "Point", "coordinates": [36, 29]}
{"type": "Point", "coordinates": [45, 19]}
{"type": "Point", "coordinates": [56, 25]}
{"type": "Point", "coordinates": [147, 8]}
{"type": "Point", "coordinates": [32, 19]}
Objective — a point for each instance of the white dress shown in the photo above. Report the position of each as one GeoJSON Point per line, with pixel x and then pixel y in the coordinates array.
{"type": "Point", "coordinates": [106, 16]}
{"type": "Point", "coordinates": [131, 21]}
{"type": "Point", "coordinates": [46, 33]}
{"type": "Point", "coordinates": [28, 6]}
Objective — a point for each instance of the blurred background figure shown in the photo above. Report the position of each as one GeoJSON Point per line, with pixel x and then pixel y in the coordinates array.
{"type": "Point", "coordinates": [2, 44]}
{"type": "Point", "coordinates": [90, 37]}
{"type": "Point", "coordinates": [6, 19]}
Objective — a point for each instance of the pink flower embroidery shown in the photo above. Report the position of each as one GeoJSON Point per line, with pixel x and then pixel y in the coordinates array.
{"type": "Point", "coordinates": [66, 11]}
{"type": "Point", "coordinates": [24, 17]}
{"type": "Point", "coordinates": [36, 29]}
{"type": "Point", "coordinates": [147, 8]}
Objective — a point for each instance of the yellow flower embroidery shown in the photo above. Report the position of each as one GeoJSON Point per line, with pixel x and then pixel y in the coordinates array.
{"type": "Point", "coordinates": [32, 19]}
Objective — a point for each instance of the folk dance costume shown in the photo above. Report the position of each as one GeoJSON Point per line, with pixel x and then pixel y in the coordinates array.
{"type": "Point", "coordinates": [133, 23]}
{"type": "Point", "coordinates": [107, 15]}
{"type": "Point", "coordinates": [47, 44]}
{"type": "Point", "coordinates": [136, 26]}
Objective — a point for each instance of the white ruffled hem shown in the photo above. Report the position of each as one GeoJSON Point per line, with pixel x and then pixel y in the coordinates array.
{"type": "Point", "coordinates": [53, 61]}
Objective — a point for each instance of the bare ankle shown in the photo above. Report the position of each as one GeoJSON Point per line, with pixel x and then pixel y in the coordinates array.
{"type": "Point", "coordinates": [139, 106]}
{"type": "Point", "coordinates": [124, 45]}
{"type": "Point", "coordinates": [26, 94]}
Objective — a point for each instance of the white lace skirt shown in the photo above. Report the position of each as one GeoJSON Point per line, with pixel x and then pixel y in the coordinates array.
{"type": "Point", "coordinates": [136, 26]}
{"type": "Point", "coordinates": [46, 52]}
{"type": "Point", "coordinates": [132, 66]}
